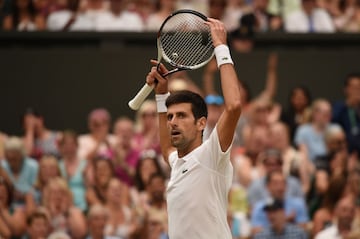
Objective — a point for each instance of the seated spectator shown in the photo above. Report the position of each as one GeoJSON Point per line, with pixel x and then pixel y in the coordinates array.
{"type": "Point", "coordinates": [143, 8]}
{"type": "Point", "coordinates": [298, 110]}
{"type": "Point", "coordinates": [347, 112]}
{"type": "Point", "coordinates": [38, 225]}
{"type": "Point", "coordinates": [38, 139]}
{"type": "Point", "coordinates": [215, 106]}
{"type": "Point", "coordinates": [23, 17]}
{"type": "Point", "coordinates": [295, 207]}
{"type": "Point", "coordinates": [73, 168]}
{"type": "Point", "coordinates": [122, 221]}
{"type": "Point", "coordinates": [324, 215]}
{"type": "Point", "coordinates": [12, 220]}
{"type": "Point", "coordinates": [309, 137]}
{"type": "Point", "coordinates": [21, 169]}
{"type": "Point", "coordinates": [147, 128]}
{"type": "Point", "coordinates": [118, 18]}
{"type": "Point", "coordinates": [147, 165]}
{"type": "Point", "coordinates": [279, 225]}
{"type": "Point", "coordinates": [344, 14]}
{"type": "Point", "coordinates": [97, 218]}
{"type": "Point", "coordinates": [295, 163]}
{"type": "Point", "coordinates": [272, 161]}
{"type": "Point", "coordinates": [163, 9]}
{"type": "Point", "coordinates": [260, 20]}
{"type": "Point", "coordinates": [99, 141]}
{"type": "Point", "coordinates": [48, 169]}
{"type": "Point", "coordinates": [309, 19]}
{"type": "Point", "coordinates": [156, 205]}
{"type": "Point", "coordinates": [233, 11]}
{"type": "Point", "coordinates": [64, 216]}
{"type": "Point", "coordinates": [103, 172]}
{"type": "Point", "coordinates": [69, 19]}
{"type": "Point", "coordinates": [3, 137]}
{"type": "Point", "coordinates": [126, 156]}
{"type": "Point", "coordinates": [344, 215]}
{"type": "Point", "coordinates": [247, 163]}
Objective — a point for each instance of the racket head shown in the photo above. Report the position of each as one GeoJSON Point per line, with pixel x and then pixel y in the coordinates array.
{"type": "Point", "coordinates": [184, 40]}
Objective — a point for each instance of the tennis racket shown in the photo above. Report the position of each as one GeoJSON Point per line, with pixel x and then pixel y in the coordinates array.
{"type": "Point", "coordinates": [184, 41]}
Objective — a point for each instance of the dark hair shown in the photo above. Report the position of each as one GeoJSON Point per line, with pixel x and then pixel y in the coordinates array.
{"type": "Point", "coordinates": [16, 12]}
{"type": "Point", "coordinates": [305, 90]}
{"type": "Point", "coordinates": [35, 215]}
{"type": "Point", "coordinates": [350, 76]}
{"type": "Point", "coordinates": [139, 183]}
{"type": "Point", "coordinates": [68, 134]}
{"type": "Point", "coordinates": [272, 174]}
{"type": "Point", "coordinates": [198, 105]}
{"type": "Point", "coordinates": [156, 175]}
{"type": "Point", "coordinates": [107, 161]}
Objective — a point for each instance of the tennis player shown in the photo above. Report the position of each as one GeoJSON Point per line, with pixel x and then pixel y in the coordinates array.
{"type": "Point", "coordinates": [201, 172]}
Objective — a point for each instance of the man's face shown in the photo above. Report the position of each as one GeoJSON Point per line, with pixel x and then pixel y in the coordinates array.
{"type": "Point", "coordinates": [183, 128]}
{"type": "Point", "coordinates": [157, 189]}
{"type": "Point", "coordinates": [277, 218]}
{"type": "Point", "coordinates": [97, 223]}
{"type": "Point", "coordinates": [272, 163]}
{"type": "Point", "coordinates": [277, 186]}
{"type": "Point", "coordinates": [39, 228]}
{"type": "Point", "coordinates": [345, 212]}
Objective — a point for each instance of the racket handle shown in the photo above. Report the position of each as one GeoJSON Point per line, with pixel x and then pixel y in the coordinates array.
{"type": "Point", "coordinates": [139, 98]}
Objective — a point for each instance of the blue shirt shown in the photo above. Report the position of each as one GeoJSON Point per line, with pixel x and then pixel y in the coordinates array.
{"type": "Point", "coordinates": [291, 205]}
{"type": "Point", "coordinates": [290, 232]}
{"type": "Point", "coordinates": [258, 191]}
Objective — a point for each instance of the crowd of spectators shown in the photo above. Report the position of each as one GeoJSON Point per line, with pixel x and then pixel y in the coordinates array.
{"type": "Point", "coordinates": [242, 17]}
{"type": "Point", "coordinates": [296, 168]}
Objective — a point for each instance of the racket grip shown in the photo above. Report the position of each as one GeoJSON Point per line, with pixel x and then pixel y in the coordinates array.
{"type": "Point", "coordinates": [139, 98]}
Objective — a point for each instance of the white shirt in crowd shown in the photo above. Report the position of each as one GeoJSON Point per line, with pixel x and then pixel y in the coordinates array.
{"type": "Point", "coordinates": [197, 193]}
{"type": "Point", "coordinates": [57, 21]}
{"type": "Point", "coordinates": [329, 233]}
{"type": "Point", "coordinates": [126, 21]}
{"type": "Point", "coordinates": [318, 21]}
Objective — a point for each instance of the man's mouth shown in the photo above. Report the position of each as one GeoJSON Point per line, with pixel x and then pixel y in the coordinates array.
{"type": "Point", "coordinates": [175, 132]}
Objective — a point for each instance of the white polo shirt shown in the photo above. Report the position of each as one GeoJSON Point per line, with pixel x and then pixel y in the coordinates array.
{"type": "Point", "coordinates": [197, 193]}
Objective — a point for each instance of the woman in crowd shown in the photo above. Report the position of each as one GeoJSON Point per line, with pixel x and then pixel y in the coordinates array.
{"type": "Point", "coordinates": [64, 216]}
{"type": "Point", "coordinates": [73, 168]}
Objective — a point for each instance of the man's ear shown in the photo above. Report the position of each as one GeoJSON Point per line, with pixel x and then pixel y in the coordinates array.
{"type": "Point", "coordinates": [201, 123]}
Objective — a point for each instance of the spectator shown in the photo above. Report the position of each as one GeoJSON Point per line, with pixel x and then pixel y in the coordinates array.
{"type": "Point", "coordinates": [99, 141]}
{"type": "Point", "coordinates": [73, 168]}
{"type": "Point", "coordinates": [122, 222]}
{"type": "Point", "coordinates": [309, 19]}
{"type": "Point", "coordinates": [48, 169]}
{"type": "Point", "coordinates": [279, 225]}
{"type": "Point", "coordinates": [64, 216]}
{"type": "Point", "coordinates": [260, 20]}
{"type": "Point", "coordinates": [217, 9]}
{"type": "Point", "coordinates": [98, 216]}
{"type": "Point", "coordinates": [126, 156]}
{"type": "Point", "coordinates": [69, 19]}
{"type": "Point", "coordinates": [38, 139]}
{"type": "Point", "coordinates": [143, 8]}
{"type": "Point", "coordinates": [310, 137]}
{"type": "Point", "coordinates": [38, 225]}
{"type": "Point", "coordinates": [272, 160]}
{"type": "Point", "coordinates": [215, 105]}
{"type": "Point", "coordinates": [103, 170]}
{"type": "Point", "coordinates": [147, 128]}
{"type": "Point", "coordinates": [324, 215]}
{"type": "Point", "coordinates": [233, 12]}
{"type": "Point", "coordinates": [12, 220]}
{"type": "Point", "coordinates": [23, 17]}
{"type": "Point", "coordinates": [163, 9]}
{"type": "Point", "coordinates": [283, 8]}
{"type": "Point", "coordinates": [21, 169]}
{"type": "Point", "coordinates": [295, 163]}
{"type": "Point", "coordinates": [295, 207]}
{"type": "Point", "coordinates": [118, 18]}
{"type": "Point", "coordinates": [344, 14]}
{"type": "Point", "coordinates": [347, 112]}
{"type": "Point", "coordinates": [3, 137]}
{"type": "Point", "coordinates": [298, 110]}
{"type": "Point", "coordinates": [344, 213]}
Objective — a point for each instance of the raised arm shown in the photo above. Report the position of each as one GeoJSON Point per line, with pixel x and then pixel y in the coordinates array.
{"type": "Point", "coordinates": [161, 90]}
{"type": "Point", "coordinates": [271, 78]}
{"type": "Point", "coordinates": [229, 84]}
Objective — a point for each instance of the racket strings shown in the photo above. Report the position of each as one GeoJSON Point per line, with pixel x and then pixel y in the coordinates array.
{"type": "Point", "coordinates": [186, 41]}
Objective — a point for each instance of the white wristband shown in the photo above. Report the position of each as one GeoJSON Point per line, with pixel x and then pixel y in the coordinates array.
{"type": "Point", "coordinates": [222, 54]}
{"type": "Point", "coordinates": [160, 102]}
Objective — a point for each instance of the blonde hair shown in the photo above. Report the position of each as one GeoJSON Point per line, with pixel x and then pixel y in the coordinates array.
{"type": "Point", "coordinates": [60, 183]}
{"type": "Point", "coordinates": [46, 159]}
{"type": "Point", "coordinates": [148, 105]}
{"type": "Point", "coordinates": [14, 143]}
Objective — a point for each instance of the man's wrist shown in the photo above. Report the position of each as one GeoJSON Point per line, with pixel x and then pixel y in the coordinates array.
{"type": "Point", "coordinates": [222, 54]}
{"type": "Point", "coordinates": [160, 102]}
